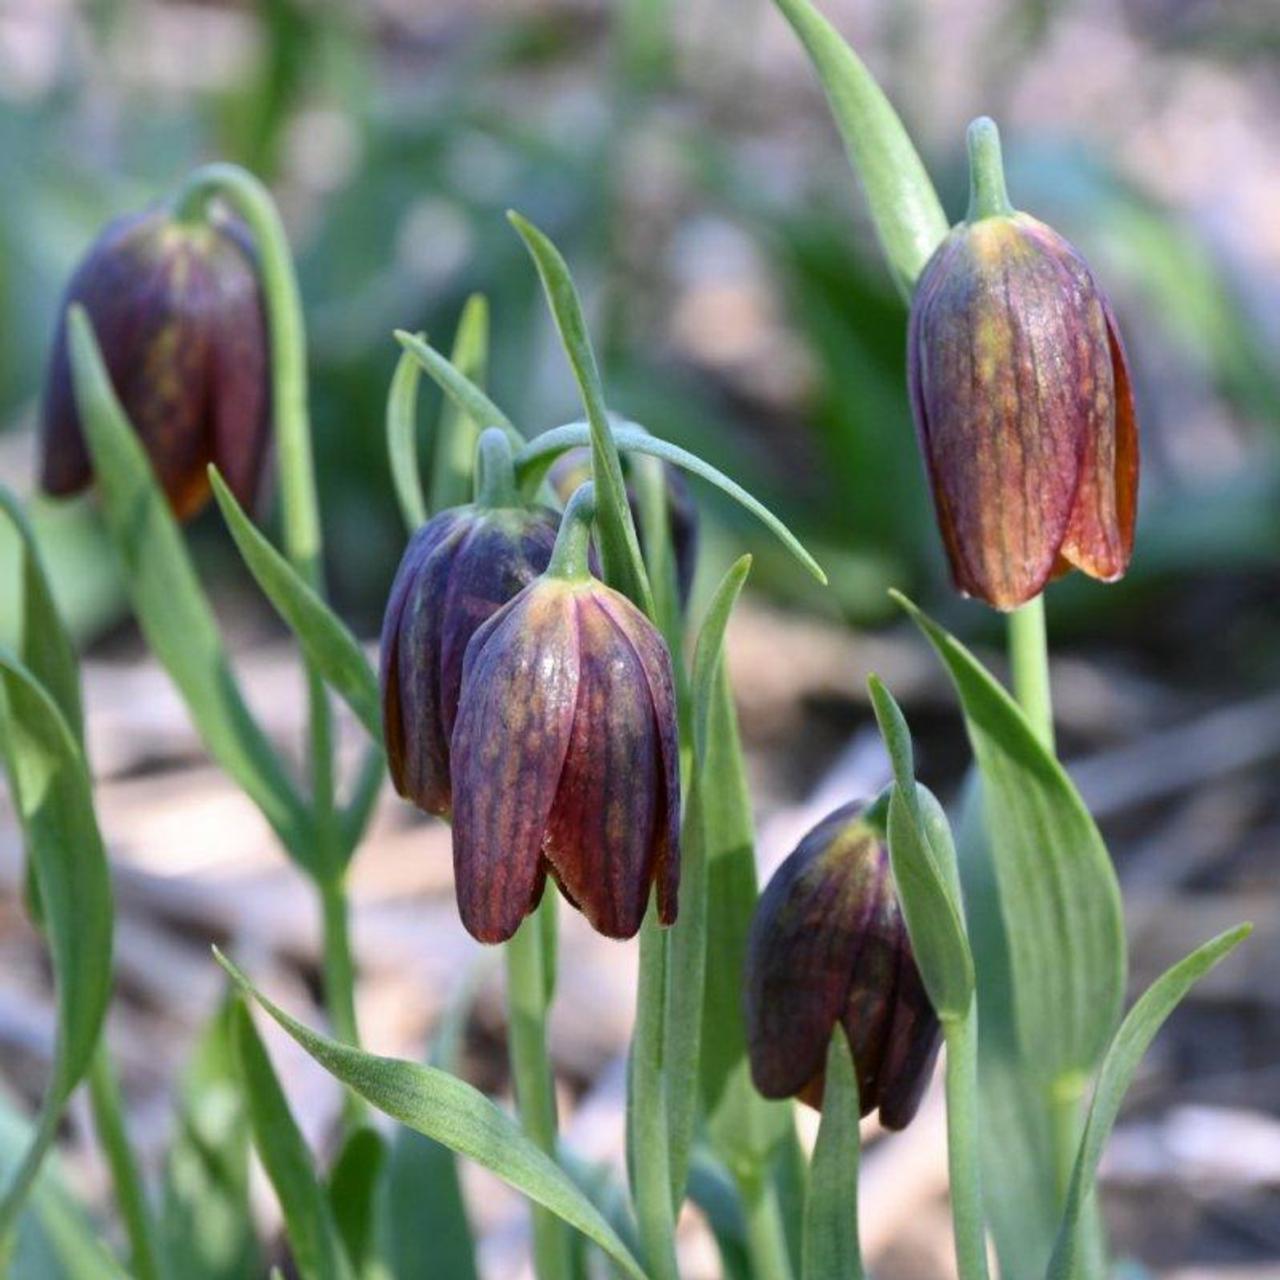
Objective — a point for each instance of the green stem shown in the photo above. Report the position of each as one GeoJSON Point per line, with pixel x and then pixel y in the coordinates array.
{"type": "Point", "coordinates": [1029, 667]}
{"type": "Point", "coordinates": [1064, 1114]}
{"type": "Point", "coordinates": [963, 1151]}
{"type": "Point", "coordinates": [131, 1196]}
{"type": "Point", "coordinates": [495, 473]}
{"type": "Point", "coordinates": [766, 1236]}
{"type": "Point", "coordinates": [528, 995]}
{"type": "Point", "coordinates": [339, 980]}
{"type": "Point", "coordinates": [988, 197]}
{"type": "Point", "coordinates": [648, 1123]}
{"type": "Point", "coordinates": [569, 558]}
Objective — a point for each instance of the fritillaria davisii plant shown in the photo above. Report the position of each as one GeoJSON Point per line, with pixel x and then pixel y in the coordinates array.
{"type": "Point", "coordinates": [564, 754]}
{"type": "Point", "coordinates": [828, 948]}
{"type": "Point", "coordinates": [178, 313]}
{"type": "Point", "coordinates": [1021, 396]}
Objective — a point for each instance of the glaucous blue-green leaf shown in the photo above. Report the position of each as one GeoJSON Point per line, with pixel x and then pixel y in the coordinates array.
{"type": "Point", "coordinates": [451, 1111]}
{"type": "Point", "coordinates": [402, 439]}
{"type": "Point", "coordinates": [171, 607]}
{"type": "Point", "coordinates": [207, 1225]}
{"type": "Point", "coordinates": [50, 789]}
{"type": "Point", "coordinates": [1137, 1031]}
{"type": "Point", "coordinates": [534, 459]}
{"type": "Point", "coordinates": [454, 446]}
{"type": "Point", "coordinates": [831, 1249]}
{"type": "Point", "coordinates": [1059, 898]}
{"type": "Point", "coordinates": [619, 545]}
{"type": "Point", "coordinates": [908, 217]}
{"type": "Point", "coordinates": [355, 1183]}
{"type": "Point", "coordinates": [329, 646]}
{"type": "Point", "coordinates": [924, 870]}
{"type": "Point", "coordinates": [308, 1220]}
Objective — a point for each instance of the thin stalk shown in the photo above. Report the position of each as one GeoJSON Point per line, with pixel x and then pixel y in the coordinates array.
{"type": "Point", "coordinates": [648, 1127]}
{"type": "Point", "coordinates": [528, 995]}
{"type": "Point", "coordinates": [963, 1152]}
{"type": "Point", "coordinates": [131, 1196]}
{"type": "Point", "coordinates": [766, 1235]}
{"type": "Point", "coordinates": [1029, 667]}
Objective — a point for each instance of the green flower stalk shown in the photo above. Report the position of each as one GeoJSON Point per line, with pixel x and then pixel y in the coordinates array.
{"type": "Point", "coordinates": [1022, 401]}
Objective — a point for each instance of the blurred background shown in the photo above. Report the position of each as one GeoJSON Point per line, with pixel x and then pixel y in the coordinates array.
{"type": "Point", "coordinates": [683, 158]}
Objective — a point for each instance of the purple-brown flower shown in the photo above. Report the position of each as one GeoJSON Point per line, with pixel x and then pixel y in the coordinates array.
{"type": "Point", "coordinates": [458, 570]}
{"type": "Point", "coordinates": [828, 945]}
{"type": "Point", "coordinates": [178, 313]}
{"type": "Point", "coordinates": [564, 755]}
{"type": "Point", "coordinates": [1022, 401]}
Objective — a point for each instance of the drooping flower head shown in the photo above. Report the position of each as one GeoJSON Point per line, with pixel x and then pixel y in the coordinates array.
{"type": "Point", "coordinates": [829, 945]}
{"type": "Point", "coordinates": [458, 570]}
{"type": "Point", "coordinates": [1021, 396]}
{"type": "Point", "coordinates": [178, 313]}
{"type": "Point", "coordinates": [565, 759]}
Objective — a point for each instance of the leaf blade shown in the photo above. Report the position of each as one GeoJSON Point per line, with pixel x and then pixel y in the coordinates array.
{"type": "Point", "coordinates": [402, 439]}
{"type": "Point", "coordinates": [457, 433]}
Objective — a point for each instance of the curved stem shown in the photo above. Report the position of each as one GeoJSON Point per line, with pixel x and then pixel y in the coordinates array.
{"type": "Point", "coordinates": [494, 471]}
{"type": "Point", "coordinates": [528, 995]}
{"type": "Point", "coordinates": [131, 1197]}
{"type": "Point", "coordinates": [963, 1152]}
{"type": "Point", "coordinates": [988, 197]}
{"type": "Point", "coordinates": [569, 558]}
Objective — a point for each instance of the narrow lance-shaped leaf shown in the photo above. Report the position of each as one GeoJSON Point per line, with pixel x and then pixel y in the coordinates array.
{"type": "Point", "coordinates": [354, 818]}
{"type": "Point", "coordinates": [619, 546]}
{"type": "Point", "coordinates": [453, 455]}
{"type": "Point", "coordinates": [831, 1250]}
{"type": "Point", "coordinates": [908, 217]}
{"type": "Point", "coordinates": [172, 610]}
{"type": "Point", "coordinates": [451, 1111]}
{"type": "Point", "coordinates": [686, 977]}
{"type": "Point", "coordinates": [925, 875]}
{"type": "Point", "coordinates": [355, 1184]}
{"type": "Point", "coordinates": [1136, 1032]}
{"type": "Point", "coordinates": [309, 1224]}
{"type": "Point", "coordinates": [50, 787]}
{"type": "Point", "coordinates": [330, 648]}
{"type": "Point", "coordinates": [535, 459]}
{"type": "Point", "coordinates": [402, 439]}
{"type": "Point", "coordinates": [1059, 898]}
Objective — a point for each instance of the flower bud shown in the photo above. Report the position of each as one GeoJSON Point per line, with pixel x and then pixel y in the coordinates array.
{"type": "Point", "coordinates": [564, 754]}
{"type": "Point", "coordinates": [828, 945]}
{"type": "Point", "coordinates": [573, 468]}
{"type": "Point", "coordinates": [1022, 402]}
{"type": "Point", "coordinates": [178, 314]}
{"type": "Point", "coordinates": [458, 570]}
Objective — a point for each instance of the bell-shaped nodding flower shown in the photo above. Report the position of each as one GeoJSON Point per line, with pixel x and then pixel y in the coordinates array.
{"type": "Point", "coordinates": [178, 313]}
{"type": "Point", "coordinates": [573, 467]}
{"type": "Point", "coordinates": [828, 945]}
{"type": "Point", "coordinates": [458, 570]}
{"type": "Point", "coordinates": [564, 754]}
{"type": "Point", "coordinates": [1022, 402]}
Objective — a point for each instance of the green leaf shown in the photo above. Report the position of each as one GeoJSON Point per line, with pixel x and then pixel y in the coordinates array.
{"type": "Point", "coordinates": [402, 439]}
{"type": "Point", "coordinates": [172, 610]}
{"type": "Point", "coordinates": [470, 400]}
{"type": "Point", "coordinates": [1059, 898]}
{"type": "Point", "coordinates": [329, 647]}
{"type": "Point", "coordinates": [687, 957]}
{"type": "Point", "coordinates": [1136, 1032]}
{"type": "Point", "coordinates": [207, 1222]}
{"type": "Point", "coordinates": [355, 1183]}
{"type": "Point", "coordinates": [436, 1104]}
{"type": "Point", "coordinates": [535, 458]}
{"type": "Point", "coordinates": [831, 1249]}
{"type": "Point", "coordinates": [49, 784]}
{"type": "Point", "coordinates": [309, 1225]}
{"type": "Point", "coordinates": [924, 870]}
{"type": "Point", "coordinates": [908, 217]}
{"type": "Point", "coordinates": [457, 433]}
{"type": "Point", "coordinates": [354, 818]}
{"type": "Point", "coordinates": [47, 648]}
{"type": "Point", "coordinates": [619, 546]}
